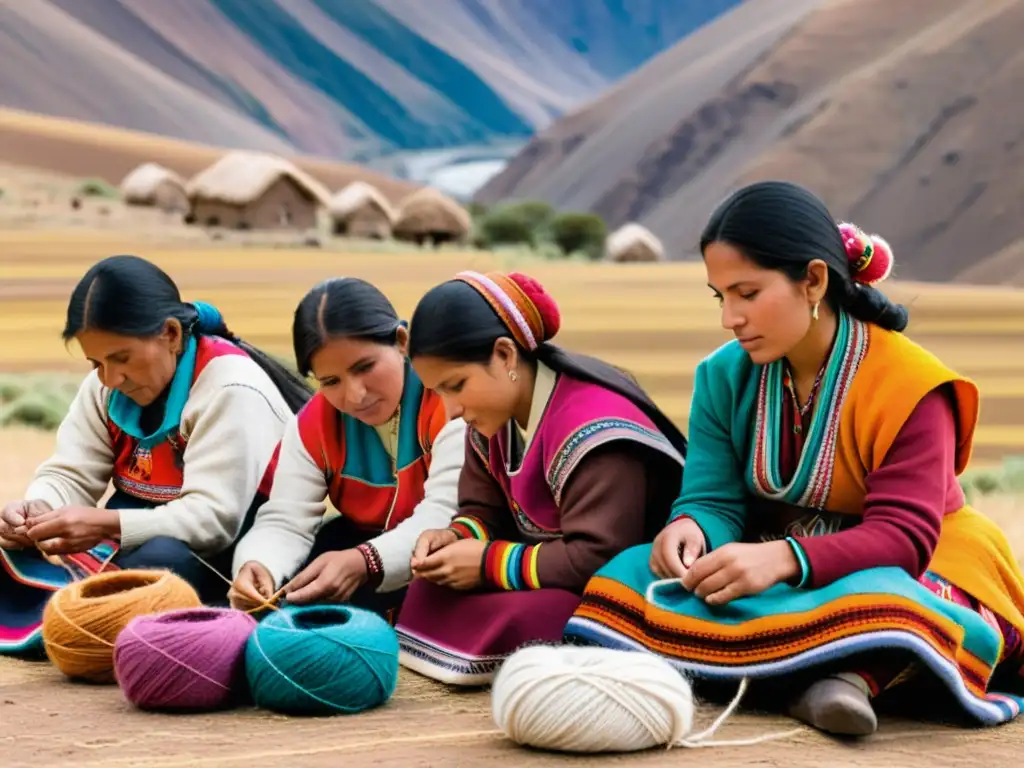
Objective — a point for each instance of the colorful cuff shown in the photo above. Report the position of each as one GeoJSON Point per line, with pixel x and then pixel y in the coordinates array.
{"type": "Point", "coordinates": [801, 557]}
{"type": "Point", "coordinates": [468, 527]}
{"type": "Point", "coordinates": [511, 566]}
{"type": "Point", "coordinates": [374, 565]}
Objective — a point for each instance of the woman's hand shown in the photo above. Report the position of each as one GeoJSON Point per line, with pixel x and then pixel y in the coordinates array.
{"type": "Point", "coordinates": [456, 565]}
{"type": "Point", "coordinates": [68, 530]}
{"type": "Point", "coordinates": [428, 543]}
{"type": "Point", "coordinates": [738, 570]}
{"type": "Point", "coordinates": [677, 548]}
{"type": "Point", "coordinates": [13, 533]}
{"type": "Point", "coordinates": [331, 578]}
{"type": "Point", "coordinates": [252, 581]}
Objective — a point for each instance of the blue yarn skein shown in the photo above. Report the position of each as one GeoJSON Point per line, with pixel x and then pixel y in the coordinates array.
{"type": "Point", "coordinates": [322, 660]}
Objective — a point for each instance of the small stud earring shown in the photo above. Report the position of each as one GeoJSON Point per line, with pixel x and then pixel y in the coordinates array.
{"type": "Point", "coordinates": [814, 311]}
{"type": "Point", "coordinates": [513, 376]}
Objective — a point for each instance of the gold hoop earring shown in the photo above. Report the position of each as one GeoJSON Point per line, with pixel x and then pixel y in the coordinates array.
{"type": "Point", "coordinates": [513, 376]}
{"type": "Point", "coordinates": [814, 310]}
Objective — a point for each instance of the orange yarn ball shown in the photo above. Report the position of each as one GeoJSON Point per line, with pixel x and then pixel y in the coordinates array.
{"type": "Point", "coordinates": [82, 620]}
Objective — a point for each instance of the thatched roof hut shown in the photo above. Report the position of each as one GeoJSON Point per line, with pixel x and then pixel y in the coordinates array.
{"type": "Point", "coordinates": [360, 210]}
{"type": "Point", "coordinates": [633, 242]}
{"type": "Point", "coordinates": [255, 190]}
{"type": "Point", "coordinates": [155, 186]}
{"type": "Point", "coordinates": [429, 215]}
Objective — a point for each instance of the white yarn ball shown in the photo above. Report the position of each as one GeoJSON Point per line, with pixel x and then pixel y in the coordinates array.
{"type": "Point", "coordinates": [581, 699]}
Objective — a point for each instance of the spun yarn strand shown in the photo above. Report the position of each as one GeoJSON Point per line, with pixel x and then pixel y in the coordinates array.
{"type": "Point", "coordinates": [268, 603]}
{"type": "Point", "coordinates": [701, 739]}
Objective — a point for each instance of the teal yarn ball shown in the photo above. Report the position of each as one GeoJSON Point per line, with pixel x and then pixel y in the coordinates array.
{"type": "Point", "coordinates": [321, 660]}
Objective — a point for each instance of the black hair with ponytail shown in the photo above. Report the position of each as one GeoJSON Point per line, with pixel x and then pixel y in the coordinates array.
{"type": "Point", "coordinates": [130, 296]}
{"type": "Point", "coordinates": [780, 225]}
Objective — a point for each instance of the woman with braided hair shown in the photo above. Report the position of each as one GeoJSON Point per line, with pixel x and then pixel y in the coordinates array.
{"type": "Point", "coordinates": [821, 540]}
{"type": "Point", "coordinates": [567, 463]}
{"type": "Point", "coordinates": [179, 413]}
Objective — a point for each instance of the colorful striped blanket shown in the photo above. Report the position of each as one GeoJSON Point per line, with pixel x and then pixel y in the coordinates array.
{"type": "Point", "coordinates": [786, 630]}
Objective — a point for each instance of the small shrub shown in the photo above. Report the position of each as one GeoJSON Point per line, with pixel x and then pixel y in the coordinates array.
{"type": "Point", "coordinates": [1009, 478]}
{"type": "Point", "coordinates": [584, 232]}
{"type": "Point", "coordinates": [504, 227]}
{"type": "Point", "coordinates": [33, 409]}
{"type": "Point", "coordinates": [97, 188]}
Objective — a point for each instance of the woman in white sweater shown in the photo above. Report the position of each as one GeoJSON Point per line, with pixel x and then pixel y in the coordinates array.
{"type": "Point", "coordinates": [374, 441]}
{"type": "Point", "coordinates": [182, 416]}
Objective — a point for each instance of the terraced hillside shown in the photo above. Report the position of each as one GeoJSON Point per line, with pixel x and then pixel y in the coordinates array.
{"type": "Point", "coordinates": [658, 321]}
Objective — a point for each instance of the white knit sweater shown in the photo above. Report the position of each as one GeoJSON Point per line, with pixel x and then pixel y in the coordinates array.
{"type": "Point", "coordinates": [286, 525]}
{"type": "Point", "coordinates": [233, 420]}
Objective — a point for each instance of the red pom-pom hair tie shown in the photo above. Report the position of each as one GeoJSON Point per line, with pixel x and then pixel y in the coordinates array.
{"type": "Point", "coordinates": [870, 256]}
{"type": "Point", "coordinates": [543, 304]}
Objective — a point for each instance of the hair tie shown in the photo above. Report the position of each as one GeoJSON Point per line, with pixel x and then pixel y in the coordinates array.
{"type": "Point", "coordinates": [209, 320]}
{"type": "Point", "coordinates": [507, 308]}
{"type": "Point", "coordinates": [869, 256]}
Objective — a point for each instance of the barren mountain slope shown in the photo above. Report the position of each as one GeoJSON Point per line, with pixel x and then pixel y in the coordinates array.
{"type": "Point", "coordinates": [902, 115]}
{"type": "Point", "coordinates": [347, 78]}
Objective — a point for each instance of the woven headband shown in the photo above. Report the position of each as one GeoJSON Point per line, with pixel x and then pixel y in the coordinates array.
{"type": "Point", "coordinates": [512, 305]}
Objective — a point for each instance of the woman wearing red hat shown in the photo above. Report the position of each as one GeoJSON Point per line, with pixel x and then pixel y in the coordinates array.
{"type": "Point", "coordinates": [568, 462]}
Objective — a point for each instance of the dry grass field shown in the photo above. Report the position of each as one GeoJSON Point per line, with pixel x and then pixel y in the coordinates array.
{"type": "Point", "coordinates": [656, 320]}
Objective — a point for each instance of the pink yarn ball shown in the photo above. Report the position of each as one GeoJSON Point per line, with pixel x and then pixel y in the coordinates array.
{"type": "Point", "coordinates": [191, 659]}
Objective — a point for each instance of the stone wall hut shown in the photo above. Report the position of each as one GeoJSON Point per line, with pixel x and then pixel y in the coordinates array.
{"type": "Point", "coordinates": [430, 216]}
{"type": "Point", "coordinates": [633, 242]}
{"type": "Point", "coordinates": [360, 210]}
{"type": "Point", "coordinates": [154, 186]}
{"type": "Point", "coordinates": [255, 190]}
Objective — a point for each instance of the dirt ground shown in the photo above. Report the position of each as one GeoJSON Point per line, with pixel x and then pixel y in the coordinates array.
{"type": "Point", "coordinates": [46, 720]}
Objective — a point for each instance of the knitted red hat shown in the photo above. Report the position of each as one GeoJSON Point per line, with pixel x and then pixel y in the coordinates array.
{"type": "Point", "coordinates": [527, 310]}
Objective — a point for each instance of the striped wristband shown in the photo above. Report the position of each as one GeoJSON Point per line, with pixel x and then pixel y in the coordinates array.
{"type": "Point", "coordinates": [468, 527]}
{"type": "Point", "coordinates": [511, 566]}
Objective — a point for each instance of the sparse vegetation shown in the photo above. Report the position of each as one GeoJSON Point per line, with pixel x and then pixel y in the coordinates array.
{"type": "Point", "coordinates": [35, 400]}
{"type": "Point", "coordinates": [584, 232]}
{"type": "Point", "coordinates": [98, 188]}
{"type": "Point", "coordinates": [1007, 479]}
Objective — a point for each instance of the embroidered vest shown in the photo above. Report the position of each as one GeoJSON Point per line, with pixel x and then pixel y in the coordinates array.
{"type": "Point", "coordinates": [363, 483]}
{"type": "Point", "coordinates": [878, 391]}
{"type": "Point", "coordinates": [578, 417]}
{"type": "Point", "coordinates": [155, 476]}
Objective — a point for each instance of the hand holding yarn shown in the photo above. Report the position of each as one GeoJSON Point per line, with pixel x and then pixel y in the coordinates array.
{"type": "Point", "coordinates": [252, 581]}
{"type": "Point", "coordinates": [738, 570]}
{"type": "Point", "coordinates": [430, 542]}
{"type": "Point", "coordinates": [71, 529]}
{"type": "Point", "coordinates": [13, 516]}
{"type": "Point", "coordinates": [871, 259]}
{"type": "Point", "coordinates": [676, 548]}
{"type": "Point", "coordinates": [456, 566]}
{"type": "Point", "coordinates": [331, 578]}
